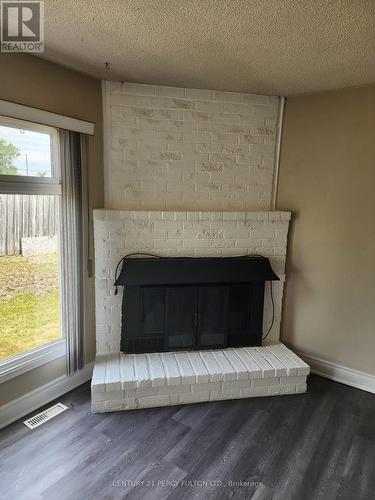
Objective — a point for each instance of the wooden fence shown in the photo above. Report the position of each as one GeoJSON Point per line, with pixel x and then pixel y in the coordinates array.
{"type": "Point", "coordinates": [26, 216]}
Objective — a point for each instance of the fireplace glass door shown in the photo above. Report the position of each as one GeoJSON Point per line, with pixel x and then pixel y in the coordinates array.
{"type": "Point", "coordinates": [212, 316]}
{"type": "Point", "coordinates": [181, 313]}
{"type": "Point", "coordinates": [171, 318]}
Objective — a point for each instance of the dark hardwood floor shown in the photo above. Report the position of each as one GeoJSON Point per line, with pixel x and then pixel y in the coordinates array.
{"type": "Point", "coordinates": [320, 445]}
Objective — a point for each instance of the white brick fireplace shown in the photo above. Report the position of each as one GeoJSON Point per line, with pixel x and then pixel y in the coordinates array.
{"type": "Point", "coordinates": [190, 234]}
{"type": "Point", "coordinates": [188, 173]}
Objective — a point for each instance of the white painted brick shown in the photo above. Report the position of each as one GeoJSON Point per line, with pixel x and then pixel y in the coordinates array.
{"type": "Point", "coordinates": [267, 382]}
{"type": "Point", "coordinates": [112, 379]}
{"type": "Point", "coordinates": [174, 399]}
{"type": "Point", "coordinates": [148, 394]}
{"type": "Point", "coordinates": [179, 103]}
{"type": "Point", "coordinates": [98, 376]}
{"type": "Point", "coordinates": [185, 367]}
{"type": "Point", "coordinates": [209, 386]}
{"type": "Point", "coordinates": [295, 365]}
{"type": "Point", "coordinates": [254, 369]}
{"type": "Point", "coordinates": [194, 397]}
{"type": "Point", "coordinates": [239, 367]}
{"type": "Point", "coordinates": [171, 369]}
{"type": "Point", "coordinates": [302, 387]}
{"type": "Point", "coordinates": [254, 392]}
{"type": "Point", "coordinates": [273, 390]}
{"type": "Point", "coordinates": [169, 91]}
{"type": "Point", "coordinates": [301, 379]}
{"type": "Point", "coordinates": [199, 94]}
{"type": "Point", "coordinates": [152, 401]}
{"type": "Point", "coordinates": [227, 96]}
{"type": "Point", "coordinates": [214, 370]}
{"type": "Point", "coordinates": [267, 370]}
{"type": "Point", "coordinates": [141, 371]}
{"type": "Point", "coordinates": [139, 117]}
{"type": "Point", "coordinates": [166, 390]}
{"type": "Point", "coordinates": [225, 394]}
{"type": "Point", "coordinates": [288, 389]}
{"type": "Point", "coordinates": [124, 404]}
{"type": "Point", "coordinates": [229, 374]}
{"type": "Point", "coordinates": [280, 368]}
{"type": "Point", "coordinates": [138, 101]}
{"type": "Point", "coordinates": [201, 373]}
{"type": "Point", "coordinates": [235, 384]}
{"type": "Point", "coordinates": [179, 233]}
{"type": "Point", "coordinates": [255, 99]}
{"type": "Point", "coordinates": [156, 369]}
{"type": "Point", "coordinates": [98, 406]}
{"type": "Point", "coordinates": [108, 396]}
{"type": "Point", "coordinates": [136, 89]}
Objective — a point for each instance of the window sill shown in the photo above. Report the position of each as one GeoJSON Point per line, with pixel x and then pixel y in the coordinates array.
{"type": "Point", "coordinates": [32, 359]}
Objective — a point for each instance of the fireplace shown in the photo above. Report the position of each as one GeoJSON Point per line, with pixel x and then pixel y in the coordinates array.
{"type": "Point", "coordinates": [172, 304]}
{"type": "Point", "coordinates": [195, 307]}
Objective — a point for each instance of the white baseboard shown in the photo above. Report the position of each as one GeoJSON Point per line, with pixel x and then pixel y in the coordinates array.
{"type": "Point", "coordinates": [33, 400]}
{"type": "Point", "coordinates": [338, 373]}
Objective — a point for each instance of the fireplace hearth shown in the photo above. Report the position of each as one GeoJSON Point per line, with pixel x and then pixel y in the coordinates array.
{"type": "Point", "coordinates": [172, 304]}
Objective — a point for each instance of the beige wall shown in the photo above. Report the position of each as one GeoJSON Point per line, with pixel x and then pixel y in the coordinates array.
{"type": "Point", "coordinates": [35, 82]}
{"type": "Point", "coordinates": [327, 178]}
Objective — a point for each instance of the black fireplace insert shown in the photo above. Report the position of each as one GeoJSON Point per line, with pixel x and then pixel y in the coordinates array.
{"type": "Point", "coordinates": [172, 304]}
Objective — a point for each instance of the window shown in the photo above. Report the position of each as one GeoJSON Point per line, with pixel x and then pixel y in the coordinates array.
{"type": "Point", "coordinates": [30, 262]}
{"type": "Point", "coordinates": [25, 152]}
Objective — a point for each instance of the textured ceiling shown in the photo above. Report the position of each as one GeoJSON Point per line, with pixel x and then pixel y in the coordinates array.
{"type": "Point", "coordinates": [279, 47]}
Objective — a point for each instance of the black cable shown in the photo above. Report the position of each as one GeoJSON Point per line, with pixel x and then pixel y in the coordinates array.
{"type": "Point", "coordinates": [130, 255]}
{"type": "Point", "coordinates": [273, 313]}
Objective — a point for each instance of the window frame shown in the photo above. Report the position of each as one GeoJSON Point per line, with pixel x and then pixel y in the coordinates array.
{"type": "Point", "coordinates": [33, 185]}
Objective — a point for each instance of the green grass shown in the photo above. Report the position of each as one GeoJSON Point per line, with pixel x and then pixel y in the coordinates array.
{"type": "Point", "coordinates": [29, 303]}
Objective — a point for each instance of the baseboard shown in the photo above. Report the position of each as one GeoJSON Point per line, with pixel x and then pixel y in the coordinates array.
{"type": "Point", "coordinates": [338, 373]}
{"type": "Point", "coordinates": [33, 400]}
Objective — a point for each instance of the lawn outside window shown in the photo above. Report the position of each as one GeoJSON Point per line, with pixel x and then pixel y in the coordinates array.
{"type": "Point", "coordinates": [30, 202]}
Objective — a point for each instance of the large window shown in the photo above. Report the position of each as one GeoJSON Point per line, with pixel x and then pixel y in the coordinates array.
{"type": "Point", "coordinates": [30, 191]}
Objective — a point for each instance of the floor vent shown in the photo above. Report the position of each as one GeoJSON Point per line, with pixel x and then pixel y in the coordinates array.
{"type": "Point", "coordinates": [45, 415]}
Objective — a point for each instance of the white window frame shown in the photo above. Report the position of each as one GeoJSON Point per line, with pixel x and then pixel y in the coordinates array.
{"type": "Point", "coordinates": [19, 184]}
{"type": "Point", "coordinates": [33, 184]}
{"type": "Point", "coordinates": [35, 115]}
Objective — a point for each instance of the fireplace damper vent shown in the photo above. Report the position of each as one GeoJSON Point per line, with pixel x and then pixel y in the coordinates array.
{"type": "Point", "coordinates": [171, 304]}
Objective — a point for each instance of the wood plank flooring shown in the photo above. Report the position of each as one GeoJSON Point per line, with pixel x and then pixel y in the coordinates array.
{"type": "Point", "coordinates": [319, 445]}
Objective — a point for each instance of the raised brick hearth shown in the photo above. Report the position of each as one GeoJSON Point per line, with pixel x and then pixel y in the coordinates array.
{"type": "Point", "coordinates": [125, 382]}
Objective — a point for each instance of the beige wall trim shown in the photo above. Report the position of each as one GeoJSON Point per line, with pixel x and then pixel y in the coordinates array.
{"type": "Point", "coordinates": [339, 373]}
{"type": "Point", "coordinates": [34, 115]}
{"type": "Point", "coordinates": [30, 402]}
{"type": "Point", "coordinates": [280, 119]}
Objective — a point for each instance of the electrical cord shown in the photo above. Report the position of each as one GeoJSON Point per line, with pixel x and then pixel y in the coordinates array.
{"type": "Point", "coordinates": [130, 255]}
{"type": "Point", "coordinates": [148, 254]}
{"type": "Point", "coordinates": [273, 313]}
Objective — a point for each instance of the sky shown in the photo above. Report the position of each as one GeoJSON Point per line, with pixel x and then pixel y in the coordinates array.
{"type": "Point", "coordinates": [34, 147]}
